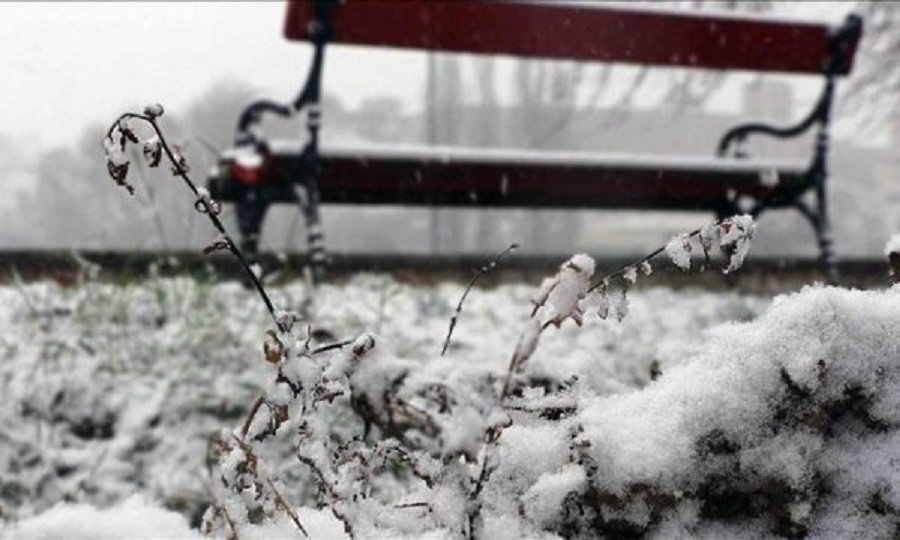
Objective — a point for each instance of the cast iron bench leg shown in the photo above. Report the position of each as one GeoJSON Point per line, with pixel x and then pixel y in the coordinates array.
{"type": "Point", "coordinates": [820, 172]}
{"type": "Point", "coordinates": [251, 209]}
{"type": "Point", "coordinates": [315, 237]}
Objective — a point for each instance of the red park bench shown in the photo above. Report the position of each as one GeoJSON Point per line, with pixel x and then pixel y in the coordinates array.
{"type": "Point", "coordinates": [257, 172]}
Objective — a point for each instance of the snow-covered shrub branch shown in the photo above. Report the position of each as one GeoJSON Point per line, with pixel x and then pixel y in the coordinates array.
{"type": "Point", "coordinates": [239, 463]}
{"type": "Point", "coordinates": [731, 235]}
{"type": "Point", "coordinates": [444, 427]}
{"type": "Point", "coordinates": [559, 297]}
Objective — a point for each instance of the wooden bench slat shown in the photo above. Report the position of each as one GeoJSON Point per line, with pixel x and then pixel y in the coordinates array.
{"type": "Point", "coordinates": [515, 156]}
{"type": "Point", "coordinates": [443, 176]}
{"type": "Point", "coordinates": [576, 32]}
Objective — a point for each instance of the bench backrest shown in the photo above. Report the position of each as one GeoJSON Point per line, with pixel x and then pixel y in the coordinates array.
{"type": "Point", "coordinates": [558, 30]}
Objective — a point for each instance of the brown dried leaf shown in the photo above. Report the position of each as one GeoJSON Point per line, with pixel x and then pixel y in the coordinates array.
{"type": "Point", "coordinates": [119, 173]}
{"type": "Point", "coordinates": [273, 349]}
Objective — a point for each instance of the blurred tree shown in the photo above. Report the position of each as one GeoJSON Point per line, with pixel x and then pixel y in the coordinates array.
{"type": "Point", "coordinates": [377, 118]}
{"type": "Point", "coordinates": [212, 116]}
{"type": "Point", "coordinates": [73, 203]}
{"type": "Point", "coordinates": [873, 92]}
{"type": "Point", "coordinates": [444, 107]}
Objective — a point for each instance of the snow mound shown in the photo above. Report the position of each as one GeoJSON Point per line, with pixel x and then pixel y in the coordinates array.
{"type": "Point", "coordinates": [786, 425]}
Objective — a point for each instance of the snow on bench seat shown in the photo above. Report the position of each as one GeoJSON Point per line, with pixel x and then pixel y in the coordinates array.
{"type": "Point", "coordinates": [453, 176]}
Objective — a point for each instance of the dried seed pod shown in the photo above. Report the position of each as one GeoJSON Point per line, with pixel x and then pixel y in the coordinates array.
{"type": "Point", "coordinates": [153, 110]}
{"type": "Point", "coordinates": [603, 304]}
{"type": "Point", "coordinates": [363, 344]}
{"type": "Point", "coordinates": [273, 349]}
{"type": "Point", "coordinates": [153, 151]}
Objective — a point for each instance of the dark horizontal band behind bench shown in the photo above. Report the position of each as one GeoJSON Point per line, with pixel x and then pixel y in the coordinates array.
{"type": "Point", "coordinates": [558, 30]}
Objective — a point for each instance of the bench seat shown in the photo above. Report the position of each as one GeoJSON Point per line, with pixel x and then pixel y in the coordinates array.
{"type": "Point", "coordinates": [453, 176]}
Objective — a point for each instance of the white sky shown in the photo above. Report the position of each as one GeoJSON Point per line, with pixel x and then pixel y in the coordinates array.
{"type": "Point", "coordinates": [67, 65]}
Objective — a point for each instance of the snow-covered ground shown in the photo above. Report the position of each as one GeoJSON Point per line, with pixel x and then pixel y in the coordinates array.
{"type": "Point", "coordinates": [113, 390]}
{"type": "Point", "coordinates": [763, 419]}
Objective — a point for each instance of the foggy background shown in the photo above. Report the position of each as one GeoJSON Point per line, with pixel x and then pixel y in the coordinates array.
{"type": "Point", "coordinates": [72, 68]}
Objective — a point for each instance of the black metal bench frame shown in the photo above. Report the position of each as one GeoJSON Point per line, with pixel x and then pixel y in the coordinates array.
{"type": "Point", "coordinates": [304, 169]}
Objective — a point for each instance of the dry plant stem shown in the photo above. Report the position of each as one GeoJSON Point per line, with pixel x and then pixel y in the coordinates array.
{"type": "Point", "coordinates": [286, 507]}
{"type": "Point", "coordinates": [478, 273]}
{"type": "Point", "coordinates": [251, 415]}
{"type": "Point", "coordinates": [489, 445]}
{"type": "Point", "coordinates": [279, 499]}
{"type": "Point", "coordinates": [331, 347]}
{"type": "Point", "coordinates": [621, 272]}
{"type": "Point", "coordinates": [413, 505]}
{"type": "Point", "coordinates": [208, 210]}
{"type": "Point", "coordinates": [507, 381]}
{"type": "Point", "coordinates": [231, 526]}
{"type": "Point", "coordinates": [323, 483]}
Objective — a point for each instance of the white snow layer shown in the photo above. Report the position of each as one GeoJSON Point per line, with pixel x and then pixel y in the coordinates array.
{"type": "Point", "coordinates": [780, 426]}
{"type": "Point", "coordinates": [140, 519]}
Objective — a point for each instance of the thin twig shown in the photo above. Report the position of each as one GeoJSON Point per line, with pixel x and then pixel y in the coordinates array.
{"type": "Point", "coordinates": [329, 491]}
{"type": "Point", "coordinates": [413, 505]}
{"type": "Point", "coordinates": [286, 507]}
{"type": "Point", "coordinates": [331, 347]}
{"type": "Point", "coordinates": [208, 209]}
{"type": "Point", "coordinates": [478, 273]}
{"type": "Point", "coordinates": [251, 415]}
{"type": "Point", "coordinates": [621, 272]}
{"type": "Point", "coordinates": [229, 521]}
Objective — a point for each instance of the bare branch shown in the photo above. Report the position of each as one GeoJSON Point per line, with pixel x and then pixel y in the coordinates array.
{"type": "Point", "coordinates": [204, 204]}
{"type": "Point", "coordinates": [286, 507]}
{"type": "Point", "coordinates": [478, 273]}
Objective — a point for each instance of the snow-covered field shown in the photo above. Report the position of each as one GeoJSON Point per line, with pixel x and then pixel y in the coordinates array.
{"type": "Point", "coordinates": [763, 419]}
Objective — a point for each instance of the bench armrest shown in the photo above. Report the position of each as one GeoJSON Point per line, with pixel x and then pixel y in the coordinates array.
{"type": "Point", "coordinates": [739, 133]}
{"type": "Point", "coordinates": [844, 40]}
